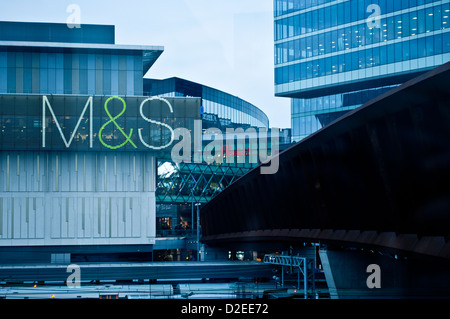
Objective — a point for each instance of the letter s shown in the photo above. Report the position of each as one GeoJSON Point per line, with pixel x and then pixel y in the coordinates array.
{"type": "Point", "coordinates": [172, 134]}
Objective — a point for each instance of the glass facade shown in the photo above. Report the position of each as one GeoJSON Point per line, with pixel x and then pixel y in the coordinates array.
{"type": "Point", "coordinates": [56, 32]}
{"type": "Point", "coordinates": [328, 51]}
{"type": "Point", "coordinates": [180, 186]}
{"type": "Point", "coordinates": [310, 115]}
{"type": "Point", "coordinates": [226, 107]}
{"type": "Point", "coordinates": [82, 123]}
{"type": "Point", "coordinates": [70, 71]}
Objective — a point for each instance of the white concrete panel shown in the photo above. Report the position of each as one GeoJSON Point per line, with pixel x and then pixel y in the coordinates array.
{"type": "Point", "coordinates": [15, 218]}
{"type": "Point", "coordinates": [55, 212]}
{"type": "Point", "coordinates": [39, 218]}
{"type": "Point", "coordinates": [41, 209]}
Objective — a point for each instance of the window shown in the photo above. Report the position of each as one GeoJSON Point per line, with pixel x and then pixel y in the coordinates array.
{"type": "Point", "coordinates": [354, 12]}
{"type": "Point", "coordinates": [321, 18]}
{"type": "Point", "coordinates": [327, 16]}
{"type": "Point", "coordinates": [361, 10]}
{"type": "Point", "coordinates": [303, 48]}
{"type": "Point", "coordinates": [302, 24]}
{"type": "Point", "coordinates": [296, 49]}
{"type": "Point", "coordinates": [398, 52]}
{"type": "Point", "coordinates": [277, 27]}
{"type": "Point", "coordinates": [315, 21]}
{"type": "Point", "coordinates": [405, 25]}
{"type": "Point", "coordinates": [340, 14]}
{"type": "Point", "coordinates": [297, 25]}
{"type": "Point", "coordinates": [290, 23]}
{"type": "Point", "coordinates": [437, 18]}
{"type": "Point", "coordinates": [309, 21]}
{"type": "Point", "coordinates": [430, 46]}
{"type": "Point", "coordinates": [390, 28]}
{"type": "Point", "coordinates": [413, 23]}
{"type": "Point", "coordinates": [321, 43]}
{"type": "Point", "coordinates": [429, 19]}
{"type": "Point", "coordinates": [446, 42]}
{"type": "Point", "coordinates": [421, 19]}
{"type": "Point", "coordinates": [334, 16]}
{"type": "Point", "coordinates": [348, 62]}
{"type": "Point", "coordinates": [315, 45]}
{"type": "Point", "coordinates": [413, 49]}
{"type": "Point", "coordinates": [421, 48]}
{"type": "Point", "coordinates": [438, 44]}
{"type": "Point", "coordinates": [296, 72]}
{"type": "Point", "coordinates": [406, 50]}
{"type": "Point", "coordinates": [390, 53]}
{"type": "Point", "coordinates": [445, 16]}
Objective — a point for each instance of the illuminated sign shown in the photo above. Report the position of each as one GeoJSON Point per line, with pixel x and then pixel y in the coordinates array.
{"type": "Point", "coordinates": [98, 123]}
{"type": "Point", "coordinates": [57, 122]}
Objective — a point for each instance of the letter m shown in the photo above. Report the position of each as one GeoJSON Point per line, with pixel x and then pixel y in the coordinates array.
{"type": "Point", "coordinates": [45, 103]}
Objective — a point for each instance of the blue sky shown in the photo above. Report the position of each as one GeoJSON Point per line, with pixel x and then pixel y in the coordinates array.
{"type": "Point", "coordinates": [226, 44]}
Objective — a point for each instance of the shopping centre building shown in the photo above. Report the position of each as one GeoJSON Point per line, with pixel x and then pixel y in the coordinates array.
{"type": "Point", "coordinates": [333, 56]}
{"type": "Point", "coordinates": [86, 148]}
{"type": "Point", "coordinates": [182, 188]}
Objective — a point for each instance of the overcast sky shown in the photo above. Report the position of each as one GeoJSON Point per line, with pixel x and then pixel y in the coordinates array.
{"type": "Point", "coordinates": [225, 44]}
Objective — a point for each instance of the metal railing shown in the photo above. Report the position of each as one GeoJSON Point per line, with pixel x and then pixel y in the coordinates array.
{"type": "Point", "coordinates": [304, 265]}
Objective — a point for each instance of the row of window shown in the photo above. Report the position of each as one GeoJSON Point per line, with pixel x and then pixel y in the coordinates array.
{"type": "Point", "coordinates": [304, 126]}
{"type": "Point", "coordinates": [331, 102]}
{"type": "Point", "coordinates": [399, 26]}
{"type": "Point", "coordinates": [214, 101]}
{"type": "Point", "coordinates": [339, 14]}
{"type": "Point", "coordinates": [236, 116]}
{"type": "Point", "coordinates": [70, 81]}
{"type": "Point", "coordinates": [287, 6]}
{"type": "Point", "coordinates": [310, 115]}
{"type": "Point", "coordinates": [88, 61]}
{"type": "Point", "coordinates": [225, 112]}
{"type": "Point", "coordinates": [225, 99]}
{"type": "Point", "coordinates": [386, 54]}
{"type": "Point", "coordinates": [70, 73]}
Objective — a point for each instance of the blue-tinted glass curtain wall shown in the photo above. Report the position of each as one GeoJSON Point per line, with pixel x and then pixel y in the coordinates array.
{"type": "Point", "coordinates": [322, 44]}
{"type": "Point", "coordinates": [47, 72]}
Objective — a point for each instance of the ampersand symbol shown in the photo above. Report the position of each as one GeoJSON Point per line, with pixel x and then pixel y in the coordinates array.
{"type": "Point", "coordinates": [113, 120]}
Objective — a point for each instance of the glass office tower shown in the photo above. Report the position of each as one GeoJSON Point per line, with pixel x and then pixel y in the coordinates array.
{"type": "Point", "coordinates": [333, 56]}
